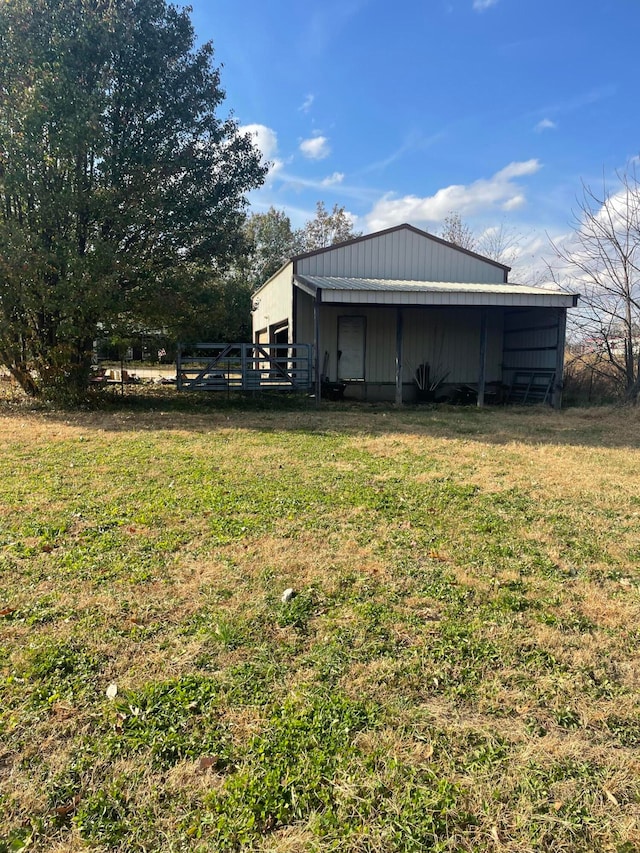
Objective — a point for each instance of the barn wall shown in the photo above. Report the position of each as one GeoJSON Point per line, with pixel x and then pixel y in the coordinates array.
{"type": "Point", "coordinates": [274, 302]}
{"type": "Point", "coordinates": [304, 328]}
{"type": "Point", "coordinates": [530, 340]}
{"type": "Point", "coordinates": [449, 339]}
{"type": "Point", "coordinates": [401, 255]}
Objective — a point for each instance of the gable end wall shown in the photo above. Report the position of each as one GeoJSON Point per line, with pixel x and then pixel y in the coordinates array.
{"type": "Point", "coordinates": [401, 255]}
{"type": "Point", "coordinates": [274, 302]}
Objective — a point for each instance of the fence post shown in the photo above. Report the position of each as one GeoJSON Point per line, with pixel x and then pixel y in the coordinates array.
{"type": "Point", "coordinates": [243, 365]}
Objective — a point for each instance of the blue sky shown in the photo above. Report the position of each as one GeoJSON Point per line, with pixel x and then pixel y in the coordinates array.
{"type": "Point", "coordinates": [406, 111]}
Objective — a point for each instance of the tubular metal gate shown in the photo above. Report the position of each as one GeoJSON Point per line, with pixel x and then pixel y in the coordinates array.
{"type": "Point", "coordinates": [244, 367]}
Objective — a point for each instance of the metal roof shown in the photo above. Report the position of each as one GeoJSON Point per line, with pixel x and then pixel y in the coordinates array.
{"type": "Point", "coordinates": [394, 291]}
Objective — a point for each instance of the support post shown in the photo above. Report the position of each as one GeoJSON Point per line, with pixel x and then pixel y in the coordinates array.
{"type": "Point", "coordinates": [556, 396]}
{"type": "Point", "coordinates": [399, 348]}
{"type": "Point", "coordinates": [316, 336]}
{"type": "Point", "coordinates": [243, 368]}
{"type": "Point", "coordinates": [483, 357]}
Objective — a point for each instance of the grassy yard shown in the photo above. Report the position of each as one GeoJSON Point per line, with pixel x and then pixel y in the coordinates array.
{"type": "Point", "coordinates": [458, 670]}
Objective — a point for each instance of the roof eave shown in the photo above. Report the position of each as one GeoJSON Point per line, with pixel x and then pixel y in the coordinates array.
{"type": "Point", "coordinates": [447, 299]}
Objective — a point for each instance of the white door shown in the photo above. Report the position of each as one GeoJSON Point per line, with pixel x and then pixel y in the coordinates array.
{"type": "Point", "coordinates": [351, 343]}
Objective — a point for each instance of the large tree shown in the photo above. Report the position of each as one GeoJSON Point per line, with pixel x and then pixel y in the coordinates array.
{"type": "Point", "coordinates": [456, 231]}
{"type": "Point", "coordinates": [601, 261]}
{"type": "Point", "coordinates": [119, 182]}
{"type": "Point", "coordinates": [326, 229]}
{"type": "Point", "coordinates": [272, 242]}
{"type": "Point", "coordinates": [501, 243]}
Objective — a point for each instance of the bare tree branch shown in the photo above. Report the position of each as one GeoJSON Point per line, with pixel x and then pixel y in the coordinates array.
{"type": "Point", "coordinates": [601, 260]}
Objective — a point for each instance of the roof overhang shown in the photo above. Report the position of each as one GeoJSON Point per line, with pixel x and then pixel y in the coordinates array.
{"type": "Point", "coordinates": [360, 291]}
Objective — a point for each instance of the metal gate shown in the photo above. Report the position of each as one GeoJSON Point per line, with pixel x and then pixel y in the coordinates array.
{"type": "Point", "coordinates": [244, 367]}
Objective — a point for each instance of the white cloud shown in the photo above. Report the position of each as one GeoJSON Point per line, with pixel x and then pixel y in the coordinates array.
{"type": "Point", "coordinates": [354, 219]}
{"type": "Point", "coordinates": [307, 103]}
{"type": "Point", "coordinates": [481, 5]}
{"type": "Point", "coordinates": [315, 148]}
{"type": "Point", "coordinates": [266, 141]}
{"type": "Point", "coordinates": [517, 170]}
{"type": "Point", "coordinates": [515, 202]}
{"type": "Point", "coordinates": [500, 191]}
{"type": "Point", "coordinates": [264, 138]}
{"type": "Point", "coordinates": [545, 124]}
{"type": "Point", "coordinates": [333, 180]}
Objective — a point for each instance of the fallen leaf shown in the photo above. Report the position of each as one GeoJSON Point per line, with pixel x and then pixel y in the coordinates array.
{"type": "Point", "coordinates": [436, 555]}
{"type": "Point", "coordinates": [610, 797]}
{"type": "Point", "coordinates": [207, 761]}
{"type": "Point", "coordinates": [7, 611]}
{"type": "Point", "coordinates": [112, 691]}
{"type": "Point", "coordinates": [69, 808]}
{"type": "Point", "coordinates": [63, 712]}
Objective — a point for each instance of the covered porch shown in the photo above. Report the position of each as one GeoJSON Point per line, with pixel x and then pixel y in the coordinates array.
{"type": "Point", "coordinates": [403, 341]}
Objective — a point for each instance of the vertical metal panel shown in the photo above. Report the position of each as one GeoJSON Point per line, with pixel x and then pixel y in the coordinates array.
{"type": "Point", "coordinates": [381, 330]}
{"type": "Point", "coordinates": [483, 356]}
{"type": "Point", "coordinates": [530, 340]}
{"type": "Point", "coordinates": [380, 336]}
{"type": "Point", "coordinates": [274, 301]}
{"type": "Point", "coordinates": [401, 255]}
{"type": "Point", "coordinates": [399, 358]}
{"type": "Point", "coordinates": [447, 338]}
{"type": "Point", "coordinates": [351, 347]}
{"type": "Point", "coordinates": [328, 342]}
{"type": "Point", "coordinates": [495, 332]}
{"type": "Point", "coordinates": [304, 317]}
{"type": "Point", "coordinates": [316, 349]}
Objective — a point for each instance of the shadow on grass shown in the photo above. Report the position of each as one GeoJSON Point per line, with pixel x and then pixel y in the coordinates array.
{"type": "Point", "coordinates": [163, 408]}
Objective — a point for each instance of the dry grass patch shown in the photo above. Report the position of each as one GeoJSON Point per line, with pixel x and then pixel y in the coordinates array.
{"type": "Point", "coordinates": [457, 670]}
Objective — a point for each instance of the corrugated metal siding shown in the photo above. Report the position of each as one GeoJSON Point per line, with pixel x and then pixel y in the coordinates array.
{"type": "Point", "coordinates": [304, 330]}
{"type": "Point", "coordinates": [379, 341]}
{"type": "Point", "coordinates": [381, 345]}
{"type": "Point", "coordinates": [530, 341]}
{"type": "Point", "coordinates": [400, 255]}
{"type": "Point", "coordinates": [448, 339]}
{"type": "Point", "coordinates": [450, 342]}
{"type": "Point", "coordinates": [274, 301]}
{"type": "Point", "coordinates": [462, 297]}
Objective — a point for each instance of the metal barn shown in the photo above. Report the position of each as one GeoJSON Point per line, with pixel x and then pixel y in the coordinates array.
{"type": "Point", "coordinates": [399, 309]}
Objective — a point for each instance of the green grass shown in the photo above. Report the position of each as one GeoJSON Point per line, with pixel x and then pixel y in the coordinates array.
{"type": "Point", "coordinates": [457, 670]}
